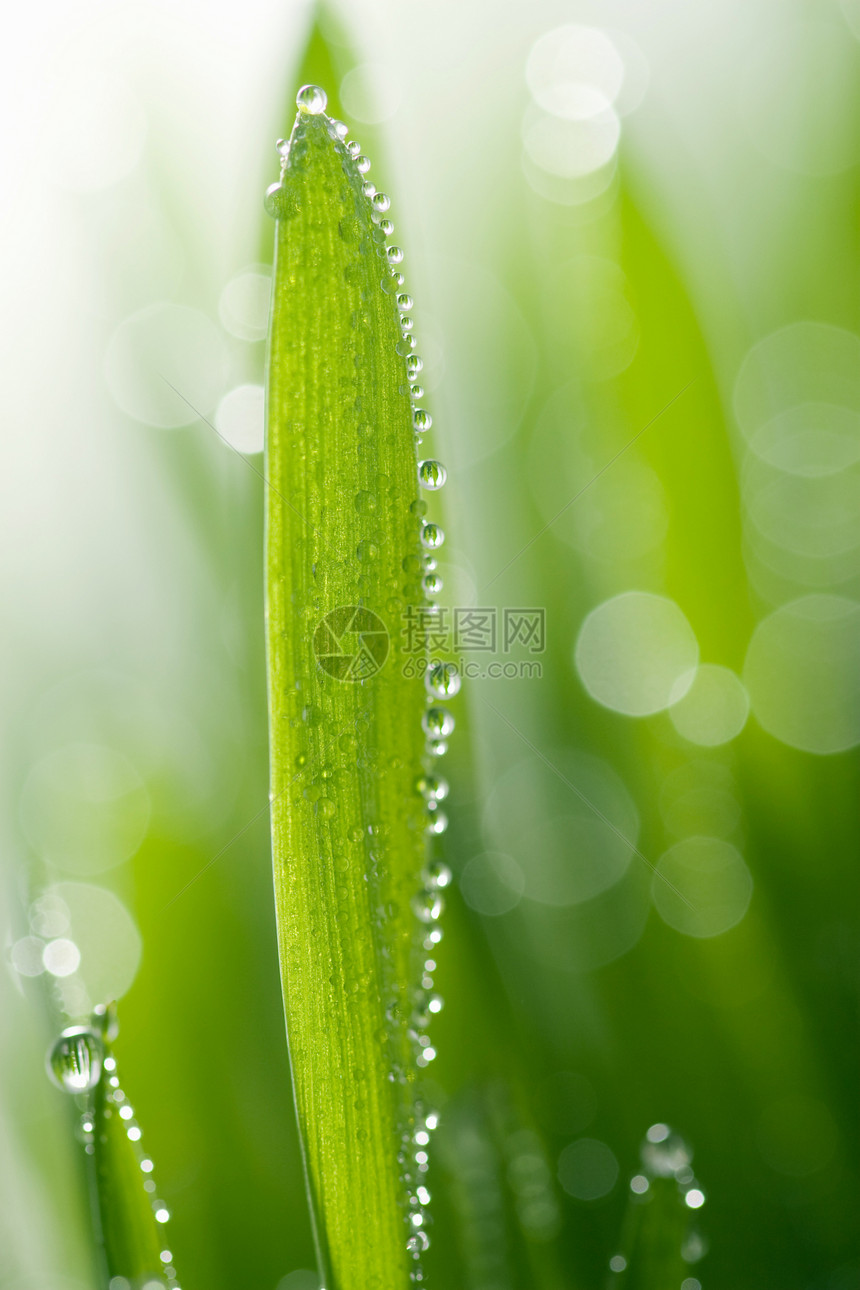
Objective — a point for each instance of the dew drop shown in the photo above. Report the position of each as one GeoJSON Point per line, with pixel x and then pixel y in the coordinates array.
{"type": "Point", "coordinates": [363, 164]}
{"type": "Point", "coordinates": [368, 189]}
{"type": "Point", "coordinates": [365, 503]}
{"type": "Point", "coordinates": [380, 202]}
{"type": "Point", "coordinates": [387, 227]}
{"type": "Point", "coordinates": [418, 1243]}
{"type": "Point", "coordinates": [428, 906]}
{"type": "Point", "coordinates": [418, 507]}
{"type": "Point", "coordinates": [311, 99]}
{"type": "Point", "coordinates": [75, 1061]}
{"type": "Point", "coordinates": [353, 147]}
{"type": "Point", "coordinates": [406, 323]}
{"type": "Point", "coordinates": [665, 1154]}
{"type": "Point", "coordinates": [414, 364]}
{"type": "Point", "coordinates": [436, 875]}
{"type": "Point", "coordinates": [283, 147]}
{"type": "Point", "coordinates": [395, 254]}
{"type": "Point", "coordinates": [367, 550]}
{"type": "Point", "coordinates": [405, 346]}
{"type": "Point", "coordinates": [437, 747]}
{"type": "Point", "coordinates": [442, 680]}
{"type": "Point", "coordinates": [432, 536]}
{"type": "Point", "coordinates": [421, 420]}
{"type": "Point", "coordinates": [404, 302]}
{"type": "Point", "coordinates": [340, 128]}
{"type": "Point", "coordinates": [431, 474]}
{"type": "Point", "coordinates": [437, 723]}
{"type": "Point", "coordinates": [84, 1129]}
{"type": "Point", "coordinates": [435, 789]}
{"type": "Point", "coordinates": [432, 584]}
{"type": "Point", "coordinates": [437, 821]}
{"type": "Point", "coordinates": [273, 200]}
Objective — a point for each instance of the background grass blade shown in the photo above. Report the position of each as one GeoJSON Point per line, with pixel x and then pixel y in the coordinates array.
{"type": "Point", "coordinates": [660, 1239]}
{"type": "Point", "coordinates": [343, 524]}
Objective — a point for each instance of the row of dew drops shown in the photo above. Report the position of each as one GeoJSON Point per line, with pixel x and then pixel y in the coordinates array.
{"type": "Point", "coordinates": [442, 680]}
{"type": "Point", "coordinates": [76, 1062]}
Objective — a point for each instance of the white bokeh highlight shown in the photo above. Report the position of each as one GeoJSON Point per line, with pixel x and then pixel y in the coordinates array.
{"type": "Point", "coordinates": [802, 674]}
{"type": "Point", "coordinates": [165, 365]}
{"type": "Point", "coordinates": [713, 709]}
{"type": "Point", "coordinates": [240, 418]}
{"type": "Point", "coordinates": [636, 653]}
{"type": "Point", "coordinates": [702, 887]}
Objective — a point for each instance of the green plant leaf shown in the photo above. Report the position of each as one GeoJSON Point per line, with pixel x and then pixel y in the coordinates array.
{"type": "Point", "coordinates": [344, 573]}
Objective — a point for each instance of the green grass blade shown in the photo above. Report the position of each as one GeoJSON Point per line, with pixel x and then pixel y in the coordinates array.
{"type": "Point", "coordinates": [327, 57]}
{"type": "Point", "coordinates": [128, 1217]}
{"type": "Point", "coordinates": [348, 825]}
{"type": "Point", "coordinates": [660, 1239]}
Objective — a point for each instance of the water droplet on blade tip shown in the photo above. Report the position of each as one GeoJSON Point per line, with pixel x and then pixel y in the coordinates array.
{"type": "Point", "coordinates": [311, 99]}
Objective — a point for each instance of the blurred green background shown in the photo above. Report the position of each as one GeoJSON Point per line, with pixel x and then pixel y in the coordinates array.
{"type": "Point", "coordinates": [632, 236]}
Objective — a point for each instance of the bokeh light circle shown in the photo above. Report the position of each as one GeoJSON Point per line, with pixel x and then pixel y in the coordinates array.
{"type": "Point", "coordinates": [492, 883]}
{"type": "Point", "coordinates": [587, 1169]}
{"type": "Point", "coordinates": [581, 857]}
{"type": "Point", "coordinates": [106, 938]}
{"type": "Point", "coordinates": [243, 306]}
{"type": "Point", "coordinates": [802, 674]}
{"type": "Point", "coordinates": [574, 72]}
{"type": "Point", "coordinates": [570, 825]}
{"type": "Point", "coordinates": [635, 652]}
{"type": "Point", "coordinates": [571, 149]}
{"type": "Point", "coordinates": [84, 808]}
{"type": "Point", "coordinates": [713, 709]}
{"type": "Point", "coordinates": [240, 418]}
{"type": "Point", "coordinates": [165, 365]}
{"type": "Point", "coordinates": [702, 887]}
{"type": "Point", "coordinates": [370, 93]}
{"type": "Point", "coordinates": [797, 398]}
